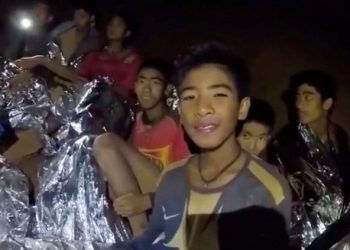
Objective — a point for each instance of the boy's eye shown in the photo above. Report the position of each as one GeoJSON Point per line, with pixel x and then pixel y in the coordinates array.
{"type": "Point", "coordinates": [262, 138]}
{"type": "Point", "coordinates": [187, 97]}
{"type": "Point", "coordinates": [156, 82]}
{"type": "Point", "coordinates": [246, 136]}
{"type": "Point", "coordinates": [220, 95]}
{"type": "Point", "coordinates": [140, 81]}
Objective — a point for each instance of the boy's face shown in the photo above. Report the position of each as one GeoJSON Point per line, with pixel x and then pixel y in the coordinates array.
{"type": "Point", "coordinates": [254, 137]}
{"type": "Point", "coordinates": [209, 105]}
{"type": "Point", "coordinates": [309, 104]}
{"type": "Point", "coordinates": [81, 18]}
{"type": "Point", "coordinates": [116, 29]}
{"type": "Point", "coordinates": [150, 88]}
{"type": "Point", "coordinates": [41, 14]}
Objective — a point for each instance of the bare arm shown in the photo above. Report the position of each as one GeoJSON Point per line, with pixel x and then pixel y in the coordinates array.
{"type": "Point", "coordinates": [62, 71]}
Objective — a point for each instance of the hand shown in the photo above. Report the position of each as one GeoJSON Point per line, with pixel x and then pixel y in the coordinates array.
{"type": "Point", "coordinates": [29, 62]}
{"type": "Point", "coordinates": [132, 204]}
{"type": "Point", "coordinates": [21, 80]}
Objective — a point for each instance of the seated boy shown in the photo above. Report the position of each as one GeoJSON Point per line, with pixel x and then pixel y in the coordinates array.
{"type": "Point", "coordinates": [254, 133]}
{"type": "Point", "coordinates": [156, 141]}
{"type": "Point", "coordinates": [221, 178]}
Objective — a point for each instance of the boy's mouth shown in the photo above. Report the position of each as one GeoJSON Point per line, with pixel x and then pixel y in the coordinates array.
{"type": "Point", "coordinates": [206, 127]}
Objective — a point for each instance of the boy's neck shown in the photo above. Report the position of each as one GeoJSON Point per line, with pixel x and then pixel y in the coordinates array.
{"type": "Point", "coordinates": [116, 48]}
{"type": "Point", "coordinates": [156, 113]}
{"type": "Point", "coordinates": [221, 155]}
{"type": "Point", "coordinates": [81, 31]}
{"type": "Point", "coordinates": [320, 128]}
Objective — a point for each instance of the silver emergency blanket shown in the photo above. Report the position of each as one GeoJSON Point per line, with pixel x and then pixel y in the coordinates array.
{"type": "Point", "coordinates": [54, 52]}
{"type": "Point", "coordinates": [71, 203]}
{"type": "Point", "coordinates": [319, 200]}
{"type": "Point", "coordinates": [72, 210]}
{"type": "Point", "coordinates": [173, 98]}
{"type": "Point", "coordinates": [28, 106]}
{"type": "Point", "coordinates": [14, 200]}
{"type": "Point", "coordinates": [12, 243]}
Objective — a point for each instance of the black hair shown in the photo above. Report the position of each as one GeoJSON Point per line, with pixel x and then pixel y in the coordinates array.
{"type": "Point", "coordinates": [217, 54]}
{"type": "Point", "coordinates": [260, 111]}
{"type": "Point", "coordinates": [159, 64]}
{"type": "Point", "coordinates": [44, 2]}
{"type": "Point", "coordinates": [131, 25]}
{"type": "Point", "coordinates": [320, 80]}
{"type": "Point", "coordinates": [86, 5]}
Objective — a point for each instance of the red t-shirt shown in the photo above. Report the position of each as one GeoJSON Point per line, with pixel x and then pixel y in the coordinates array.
{"type": "Point", "coordinates": [121, 71]}
{"type": "Point", "coordinates": [164, 142]}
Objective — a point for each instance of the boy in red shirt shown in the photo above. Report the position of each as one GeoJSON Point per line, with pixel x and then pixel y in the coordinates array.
{"type": "Point", "coordinates": [157, 140]}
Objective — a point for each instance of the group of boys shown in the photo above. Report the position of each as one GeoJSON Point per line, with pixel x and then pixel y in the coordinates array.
{"type": "Point", "coordinates": [229, 131]}
{"type": "Point", "coordinates": [154, 172]}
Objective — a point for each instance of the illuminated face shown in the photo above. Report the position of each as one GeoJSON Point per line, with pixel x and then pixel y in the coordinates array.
{"type": "Point", "coordinates": [310, 106]}
{"type": "Point", "coordinates": [41, 14]}
{"type": "Point", "coordinates": [209, 105]}
{"type": "Point", "coordinates": [116, 29]}
{"type": "Point", "coordinates": [254, 137]}
{"type": "Point", "coordinates": [81, 18]}
{"type": "Point", "coordinates": [150, 88]}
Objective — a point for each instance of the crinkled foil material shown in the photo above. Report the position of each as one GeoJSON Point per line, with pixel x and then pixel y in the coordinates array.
{"type": "Point", "coordinates": [173, 99]}
{"type": "Point", "coordinates": [72, 210]}
{"type": "Point", "coordinates": [318, 176]}
{"type": "Point", "coordinates": [71, 203]}
{"type": "Point", "coordinates": [14, 200]}
{"type": "Point", "coordinates": [55, 53]}
{"type": "Point", "coordinates": [12, 243]}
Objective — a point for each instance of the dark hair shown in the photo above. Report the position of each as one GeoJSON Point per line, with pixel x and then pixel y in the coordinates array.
{"type": "Point", "coordinates": [260, 111]}
{"type": "Point", "coordinates": [43, 2]}
{"type": "Point", "coordinates": [217, 54]}
{"type": "Point", "coordinates": [252, 228]}
{"type": "Point", "coordinates": [320, 80]}
{"type": "Point", "coordinates": [159, 64]}
{"type": "Point", "coordinates": [86, 5]}
{"type": "Point", "coordinates": [131, 25]}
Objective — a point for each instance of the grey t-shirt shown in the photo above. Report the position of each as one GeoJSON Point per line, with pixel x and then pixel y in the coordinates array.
{"type": "Point", "coordinates": [177, 219]}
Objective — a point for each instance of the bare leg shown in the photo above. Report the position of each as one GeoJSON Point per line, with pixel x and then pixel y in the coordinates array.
{"type": "Point", "coordinates": [125, 169]}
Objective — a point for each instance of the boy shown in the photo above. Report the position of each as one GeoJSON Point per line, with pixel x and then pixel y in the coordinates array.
{"type": "Point", "coordinates": [255, 132]}
{"type": "Point", "coordinates": [156, 141]}
{"type": "Point", "coordinates": [212, 85]}
{"type": "Point", "coordinates": [314, 93]}
{"type": "Point", "coordinates": [78, 37]}
{"type": "Point", "coordinates": [33, 42]}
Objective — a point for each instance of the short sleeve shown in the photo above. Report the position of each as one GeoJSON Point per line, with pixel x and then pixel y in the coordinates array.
{"type": "Point", "coordinates": [131, 72]}
{"type": "Point", "coordinates": [180, 147]}
{"type": "Point", "coordinates": [86, 66]}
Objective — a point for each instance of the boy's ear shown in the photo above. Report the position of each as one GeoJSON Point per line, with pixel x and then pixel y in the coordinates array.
{"type": "Point", "coordinates": [244, 108]}
{"type": "Point", "coordinates": [128, 33]}
{"type": "Point", "coordinates": [327, 104]}
{"type": "Point", "coordinates": [92, 21]}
